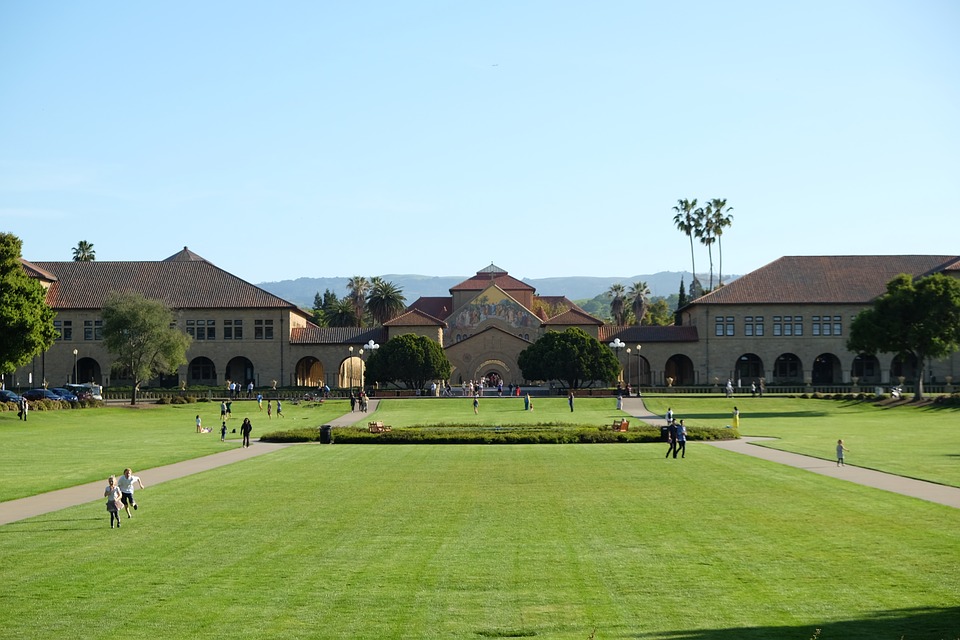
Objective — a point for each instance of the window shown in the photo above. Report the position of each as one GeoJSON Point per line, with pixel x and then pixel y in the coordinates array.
{"type": "Point", "coordinates": [815, 326]}
{"type": "Point", "coordinates": [233, 329]}
{"type": "Point", "coordinates": [719, 326]}
{"type": "Point", "coordinates": [263, 329]}
{"type": "Point", "coordinates": [93, 329]}
{"type": "Point", "coordinates": [191, 328]}
{"type": "Point", "coordinates": [211, 329]}
{"type": "Point", "coordinates": [730, 331]}
{"type": "Point", "coordinates": [64, 329]}
{"type": "Point", "coordinates": [748, 326]}
{"type": "Point", "coordinates": [777, 326]}
{"type": "Point", "coordinates": [798, 325]}
{"type": "Point", "coordinates": [787, 326]}
{"type": "Point", "coordinates": [837, 326]}
{"type": "Point", "coordinates": [758, 326]}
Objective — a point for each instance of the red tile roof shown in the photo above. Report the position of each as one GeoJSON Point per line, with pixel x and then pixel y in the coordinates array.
{"type": "Point", "coordinates": [36, 272]}
{"type": "Point", "coordinates": [312, 334]}
{"type": "Point", "coordinates": [180, 284]}
{"type": "Point", "coordinates": [573, 317]}
{"type": "Point", "coordinates": [415, 318]}
{"type": "Point", "coordinates": [825, 279]}
{"type": "Point", "coordinates": [438, 307]}
{"type": "Point", "coordinates": [648, 334]}
{"type": "Point", "coordinates": [481, 281]}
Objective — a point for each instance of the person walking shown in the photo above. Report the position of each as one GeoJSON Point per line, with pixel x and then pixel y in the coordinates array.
{"type": "Point", "coordinates": [223, 410]}
{"type": "Point", "coordinates": [245, 430]}
{"type": "Point", "coordinates": [125, 484]}
{"type": "Point", "coordinates": [681, 446]}
{"type": "Point", "coordinates": [112, 494]}
{"type": "Point", "coordinates": [840, 450]}
{"type": "Point", "coordinates": [736, 418]}
{"type": "Point", "coordinates": [476, 403]}
{"type": "Point", "coordinates": [669, 415]}
{"type": "Point", "coordinates": [279, 409]}
{"type": "Point", "coordinates": [260, 401]}
{"type": "Point", "coordinates": [24, 408]}
{"type": "Point", "coordinates": [672, 439]}
{"type": "Point", "coordinates": [570, 400]}
{"type": "Point", "coordinates": [199, 427]}
{"type": "Point", "coordinates": [223, 432]}
{"type": "Point", "coordinates": [269, 408]}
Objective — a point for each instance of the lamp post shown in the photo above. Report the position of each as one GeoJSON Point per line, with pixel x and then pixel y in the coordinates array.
{"type": "Point", "coordinates": [360, 354]}
{"type": "Point", "coordinates": [617, 345]}
{"type": "Point", "coordinates": [74, 366]}
{"type": "Point", "coordinates": [350, 383]}
{"type": "Point", "coordinates": [639, 381]}
{"type": "Point", "coordinates": [371, 347]}
{"type": "Point", "coordinates": [628, 370]}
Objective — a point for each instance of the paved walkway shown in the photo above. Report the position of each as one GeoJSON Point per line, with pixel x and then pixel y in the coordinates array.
{"type": "Point", "coordinates": [23, 508]}
{"type": "Point", "coordinates": [930, 491]}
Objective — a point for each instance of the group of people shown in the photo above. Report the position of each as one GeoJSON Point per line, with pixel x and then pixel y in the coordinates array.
{"type": "Point", "coordinates": [245, 429]}
{"type": "Point", "coordinates": [119, 495]}
{"type": "Point", "coordinates": [236, 388]}
{"type": "Point", "coordinates": [23, 408]}
{"type": "Point", "coordinates": [358, 401]}
{"type": "Point", "coordinates": [676, 436]}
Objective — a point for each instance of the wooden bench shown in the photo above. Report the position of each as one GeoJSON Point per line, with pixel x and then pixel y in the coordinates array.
{"type": "Point", "coordinates": [620, 424]}
{"type": "Point", "coordinates": [378, 427]}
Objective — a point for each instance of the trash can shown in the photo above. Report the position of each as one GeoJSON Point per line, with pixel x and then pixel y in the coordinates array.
{"type": "Point", "coordinates": [326, 434]}
{"type": "Point", "coordinates": [665, 434]}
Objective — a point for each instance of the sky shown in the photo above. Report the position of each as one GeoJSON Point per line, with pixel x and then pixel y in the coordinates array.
{"type": "Point", "coordinates": [293, 139]}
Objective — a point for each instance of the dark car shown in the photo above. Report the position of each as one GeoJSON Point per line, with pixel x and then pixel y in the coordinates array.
{"type": "Point", "coordinates": [8, 396]}
{"type": "Point", "coordinates": [66, 394]}
{"type": "Point", "coordinates": [40, 394]}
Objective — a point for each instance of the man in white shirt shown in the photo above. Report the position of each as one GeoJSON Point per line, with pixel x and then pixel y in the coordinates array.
{"type": "Point", "coordinates": [125, 484]}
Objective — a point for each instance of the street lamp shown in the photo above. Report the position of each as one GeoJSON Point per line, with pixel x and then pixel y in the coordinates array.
{"type": "Point", "coordinates": [638, 370]}
{"type": "Point", "coordinates": [628, 370]}
{"type": "Point", "coordinates": [617, 345]}
{"type": "Point", "coordinates": [74, 366]}
{"type": "Point", "coordinates": [371, 346]}
{"type": "Point", "coordinates": [350, 384]}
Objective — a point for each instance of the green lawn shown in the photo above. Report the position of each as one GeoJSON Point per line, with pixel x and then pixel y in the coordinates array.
{"type": "Point", "coordinates": [57, 449]}
{"type": "Point", "coordinates": [494, 411]}
{"type": "Point", "coordinates": [921, 442]}
{"type": "Point", "coordinates": [579, 542]}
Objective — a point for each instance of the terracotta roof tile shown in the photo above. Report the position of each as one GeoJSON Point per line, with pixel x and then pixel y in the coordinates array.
{"type": "Point", "coordinates": [415, 318]}
{"type": "Point", "coordinates": [180, 284]}
{"type": "Point", "coordinates": [36, 272]}
{"type": "Point", "coordinates": [438, 307]}
{"type": "Point", "coordinates": [648, 334]}
{"type": "Point", "coordinates": [573, 317]}
{"type": "Point", "coordinates": [824, 279]}
{"type": "Point", "coordinates": [480, 282]}
{"type": "Point", "coordinates": [312, 334]}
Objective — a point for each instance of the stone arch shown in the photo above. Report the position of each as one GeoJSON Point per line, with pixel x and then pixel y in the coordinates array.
{"type": "Point", "coordinates": [787, 369]}
{"type": "Point", "coordinates": [749, 367]}
{"type": "Point", "coordinates": [202, 371]}
{"type": "Point", "coordinates": [350, 372]}
{"type": "Point", "coordinates": [680, 368]}
{"type": "Point", "coordinates": [88, 370]}
{"type": "Point", "coordinates": [240, 370]}
{"type": "Point", "coordinates": [904, 365]}
{"type": "Point", "coordinates": [826, 369]}
{"type": "Point", "coordinates": [866, 368]}
{"type": "Point", "coordinates": [492, 366]}
{"type": "Point", "coordinates": [309, 372]}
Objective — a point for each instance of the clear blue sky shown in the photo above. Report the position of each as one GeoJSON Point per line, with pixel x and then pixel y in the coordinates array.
{"type": "Point", "coordinates": [289, 139]}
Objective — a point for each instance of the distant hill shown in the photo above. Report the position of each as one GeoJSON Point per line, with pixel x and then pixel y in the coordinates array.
{"type": "Point", "coordinates": [302, 290]}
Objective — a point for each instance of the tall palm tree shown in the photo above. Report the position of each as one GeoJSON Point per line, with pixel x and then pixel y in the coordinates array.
{"type": "Point", "coordinates": [84, 252]}
{"type": "Point", "coordinates": [340, 314]}
{"type": "Point", "coordinates": [357, 288]}
{"type": "Point", "coordinates": [639, 291]}
{"type": "Point", "coordinates": [686, 221]}
{"type": "Point", "coordinates": [616, 304]}
{"type": "Point", "coordinates": [722, 218]}
{"type": "Point", "coordinates": [385, 300]}
{"type": "Point", "coordinates": [706, 233]}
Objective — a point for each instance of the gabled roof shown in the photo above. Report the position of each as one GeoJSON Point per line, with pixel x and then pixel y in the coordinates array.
{"type": "Point", "coordinates": [36, 272]}
{"type": "Point", "coordinates": [492, 274]}
{"type": "Point", "coordinates": [415, 318]}
{"type": "Point", "coordinates": [573, 317]}
{"type": "Point", "coordinates": [179, 284]}
{"type": "Point", "coordinates": [185, 256]}
{"type": "Point", "coordinates": [825, 279]}
{"type": "Point", "coordinates": [436, 306]}
{"type": "Point", "coordinates": [312, 334]}
{"type": "Point", "coordinates": [648, 334]}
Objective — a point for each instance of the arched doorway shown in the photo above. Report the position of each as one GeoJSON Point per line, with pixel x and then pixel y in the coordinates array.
{"type": "Point", "coordinates": [904, 366]}
{"type": "Point", "coordinates": [826, 369]}
{"type": "Point", "coordinates": [866, 368]}
{"type": "Point", "coordinates": [679, 368]}
{"type": "Point", "coordinates": [239, 370]}
{"type": "Point", "coordinates": [202, 372]}
{"type": "Point", "coordinates": [787, 369]}
{"type": "Point", "coordinates": [749, 367]}
{"type": "Point", "coordinates": [88, 370]}
{"type": "Point", "coordinates": [309, 372]}
{"type": "Point", "coordinates": [350, 373]}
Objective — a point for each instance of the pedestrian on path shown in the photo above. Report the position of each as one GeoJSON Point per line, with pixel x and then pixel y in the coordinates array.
{"type": "Point", "coordinates": [125, 484]}
{"type": "Point", "coordinates": [840, 450]}
{"type": "Point", "coordinates": [112, 494]}
{"type": "Point", "coordinates": [681, 441]}
{"type": "Point", "coordinates": [672, 439]}
{"type": "Point", "coordinates": [245, 430]}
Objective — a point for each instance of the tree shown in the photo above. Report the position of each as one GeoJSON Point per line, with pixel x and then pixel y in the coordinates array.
{"type": "Point", "coordinates": [341, 313]}
{"type": "Point", "coordinates": [323, 306]}
{"type": "Point", "coordinates": [617, 290]}
{"type": "Point", "coordinates": [357, 288]}
{"type": "Point", "coordinates": [410, 359]}
{"type": "Point", "coordinates": [659, 314]}
{"type": "Point", "coordinates": [720, 218]}
{"type": "Point", "coordinates": [26, 321]}
{"type": "Point", "coordinates": [919, 318]}
{"type": "Point", "coordinates": [573, 357]}
{"type": "Point", "coordinates": [681, 303]}
{"type": "Point", "coordinates": [84, 252]}
{"type": "Point", "coordinates": [385, 300]}
{"type": "Point", "coordinates": [639, 291]}
{"type": "Point", "coordinates": [141, 333]}
{"type": "Point", "coordinates": [686, 219]}
{"type": "Point", "coordinates": [705, 233]}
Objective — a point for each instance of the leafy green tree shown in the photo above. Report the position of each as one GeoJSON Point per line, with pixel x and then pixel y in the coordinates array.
{"type": "Point", "coordinates": [572, 356]}
{"type": "Point", "coordinates": [385, 300]}
{"type": "Point", "coordinates": [410, 359]}
{"type": "Point", "coordinates": [357, 288]}
{"type": "Point", "coordinates": [919, 318]}
{"type": "Point", "coordinates": [141, 333]}
{"type": "Point", "coordinates": [616, 293]}
{"type": "Point", "coordinates": [84, 252]}
{"type": "Point", "coordinates": [324, 306]}
{"type": "Point", "coordinates": [681, 303]}
{"type": "Point", "coordinates": [26, 321]}
{"type": "Point", "coordinates": [638, 297]}
{"type": "Point", "coordinates": [341, 314]}
{"type": "Point", "coordinates": [659, 313]}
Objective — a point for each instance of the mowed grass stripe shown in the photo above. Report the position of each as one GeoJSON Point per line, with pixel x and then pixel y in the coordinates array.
{"type": "Point", "coordinates": [486, 541]}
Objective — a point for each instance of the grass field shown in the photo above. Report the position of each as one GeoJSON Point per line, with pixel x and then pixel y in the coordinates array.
{"type": "Point", "coordinates": [553, 541]}
{"type": "Point", "coordinates": [917, 441]}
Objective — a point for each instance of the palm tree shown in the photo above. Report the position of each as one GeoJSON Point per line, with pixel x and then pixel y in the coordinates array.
{"type": "Point", "coordinates": [616, 304]}
{"type": "Point", "coordinates": [721, 220]}
{"type": "Point", "coordinates": [707, 233]}
{"type": "Point", "coordinates": [686, 221]}
{"type": "Point", "coordinates": [385, 300]}
{"type": "Point", "coordinates": [638, 300]}
{"type": "Point", "coordinates": [84, 252]}
{"type": "Point", "coordinates": [357, 288]}
{"type": "Point", "coordinates": [340, 314]}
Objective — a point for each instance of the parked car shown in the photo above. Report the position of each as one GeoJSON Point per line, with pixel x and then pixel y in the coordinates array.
{"type": "Point", "coordinates": [40, 394]}
{"type": "Point", "coordinates": [87, 391]}
{"type": "Point", "coordinates": [69, 396]}
{"type": "Point", "coordinates": [8, 396]}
